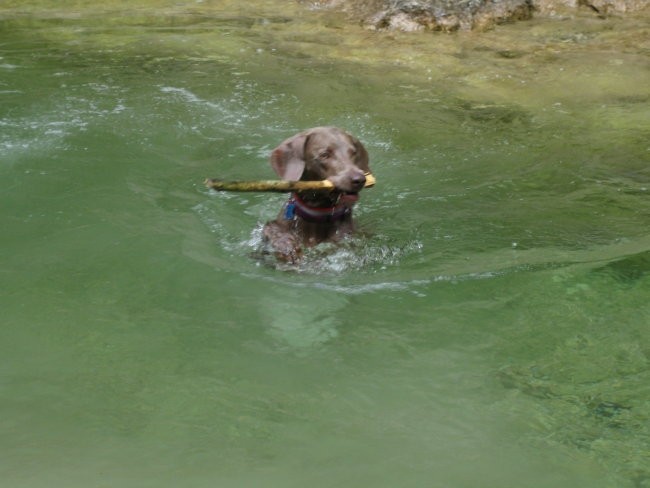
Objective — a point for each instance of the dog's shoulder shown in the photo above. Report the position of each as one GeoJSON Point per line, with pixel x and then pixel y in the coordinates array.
{"type": "Point", "coordinates": [283, 240]}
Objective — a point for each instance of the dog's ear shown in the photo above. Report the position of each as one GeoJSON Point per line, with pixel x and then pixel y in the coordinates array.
{"type": "Point", "coordinates": [361, 159]}
{"type": "Point", "coordinates": [288, 159]}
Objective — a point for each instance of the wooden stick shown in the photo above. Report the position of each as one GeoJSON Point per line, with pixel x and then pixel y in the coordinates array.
{"type": "Point", "coordinates": [277, 185]}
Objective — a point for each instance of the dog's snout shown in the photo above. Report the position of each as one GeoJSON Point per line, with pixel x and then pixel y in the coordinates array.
{"type": "Point", "coordinates": [351, 181]}
{"type": "Point", "coordinates": [358, 180]}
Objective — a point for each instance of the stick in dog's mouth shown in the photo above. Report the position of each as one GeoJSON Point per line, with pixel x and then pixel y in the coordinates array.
{"type": "Point", "coordinates": [279, 185]}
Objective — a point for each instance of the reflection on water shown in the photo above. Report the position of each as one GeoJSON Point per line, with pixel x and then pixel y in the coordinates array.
{"type": "Point", "coordinates": [486, 327]}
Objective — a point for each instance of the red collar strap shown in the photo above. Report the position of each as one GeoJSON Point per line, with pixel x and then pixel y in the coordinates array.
{"type": "Point", "coordinates": [297, 206]}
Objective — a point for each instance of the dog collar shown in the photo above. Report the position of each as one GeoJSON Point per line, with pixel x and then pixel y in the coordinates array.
{"type": "Point", "coordinates": [297, 206]}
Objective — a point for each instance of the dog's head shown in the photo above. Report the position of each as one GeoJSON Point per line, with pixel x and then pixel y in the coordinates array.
{"type": "Point", "coordinates": [323, 153]}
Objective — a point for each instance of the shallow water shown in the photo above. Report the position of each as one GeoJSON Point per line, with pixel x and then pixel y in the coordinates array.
{"type": "Point", "coordinates": [487, 327]}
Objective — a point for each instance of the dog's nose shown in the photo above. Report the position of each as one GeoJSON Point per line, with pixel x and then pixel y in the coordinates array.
{"type": "Point", "coordinates": [358, 180]}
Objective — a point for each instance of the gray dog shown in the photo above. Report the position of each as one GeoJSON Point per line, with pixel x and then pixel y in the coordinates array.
{"type": "Point", "coordinates": [311, 217]}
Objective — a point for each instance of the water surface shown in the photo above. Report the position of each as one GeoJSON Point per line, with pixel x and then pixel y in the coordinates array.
{"type": "Point", "coordinates": [487, 327]}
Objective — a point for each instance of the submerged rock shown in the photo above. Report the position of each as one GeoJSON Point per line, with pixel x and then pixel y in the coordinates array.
{"type": "Point", "coordinates": [453, 15]}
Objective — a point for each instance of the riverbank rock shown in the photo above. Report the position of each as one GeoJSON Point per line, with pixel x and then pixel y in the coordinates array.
{"type": "Point", "coordinates": [454, 15]}
{"type": "Point", "coordinates": [448, 15]}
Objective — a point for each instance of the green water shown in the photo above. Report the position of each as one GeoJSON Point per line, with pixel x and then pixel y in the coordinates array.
{"type": "Point", "coordinates": [489, 327]}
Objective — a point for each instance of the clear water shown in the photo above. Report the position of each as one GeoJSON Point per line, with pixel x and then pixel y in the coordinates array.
{"type": "Point", "coordinates": [489, 327]}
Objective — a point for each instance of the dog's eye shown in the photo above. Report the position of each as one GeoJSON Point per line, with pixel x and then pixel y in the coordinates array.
{"type": "Point", "coordinates": [325, 154]}
{"type": "Point", "coordinates": [352, 152]}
